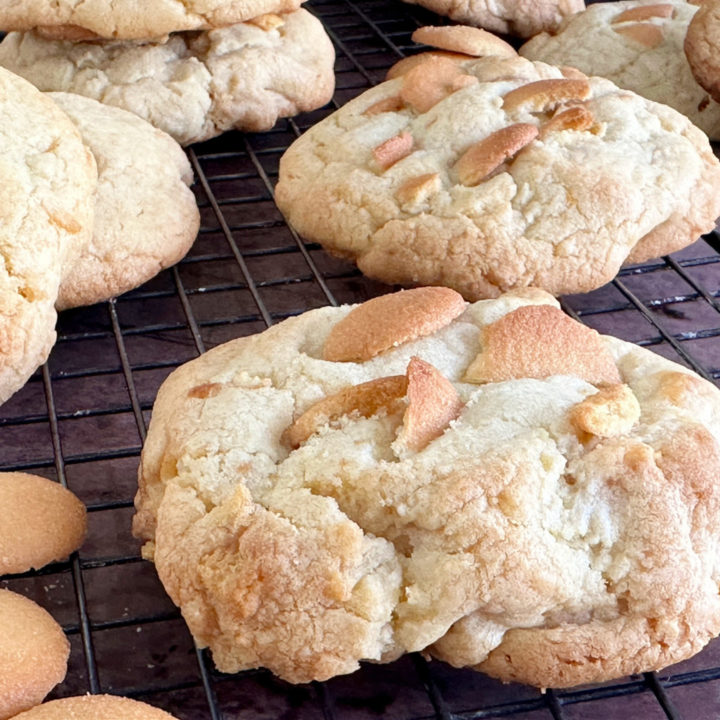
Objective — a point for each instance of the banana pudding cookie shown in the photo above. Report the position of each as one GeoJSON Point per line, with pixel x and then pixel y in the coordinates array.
{"type": "Point", "coordinates": [146, 216]}
{"type": "Point", "coordinates": [494, 484]}
{"type": "Point", "coordinates": [510, 17]}
{"type": "Point", "coordinates": [130, 19]}
{"type": "Point", "coordinates": [638, 46]}
{"type": "Point", "coordinates": [196, 85]}
{"type": "Point", "coordinates": [48, 179]}
{"type": "Point", "coordinates": [492, 173]}
{"type": "Point", "coordinates": [702, 42]}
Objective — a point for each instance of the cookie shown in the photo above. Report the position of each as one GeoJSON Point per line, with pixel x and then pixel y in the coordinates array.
{"type": "Point", "coordinates": [46, 206]}
{"type": "Point", "coordinates": [638, 46]}
{"type": "Point", "coordinates": [95, 707]}
{"type": "Point", "coordinates": [494, 173]}
{"type": "Point", "coordinates": [44, 522]}
{"type": "Point", "coordinates": [196, 85]}
{"type": "Point", "coordinates": [508, 17]}
{"type": "Point", "coordinates": [494, 484]}
{"type": "Point", "coordinates": [146, 216]}
{"type": "Point", "coordinates": [701, 47]}
{"type": "Point", "coordinates": [33, 654]}
{"type": "Point", "coordinates": [129, 19]}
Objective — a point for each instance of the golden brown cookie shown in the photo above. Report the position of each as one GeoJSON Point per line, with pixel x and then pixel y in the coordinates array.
{"type": "Point", "coordinates": [502, 488]}
{"type": "Point", "coordinates": [493, 173]}
{"type": "Point", "coordinates": [43, 522]}
{"type": "Point", "coordinates": [33, 654]}
{"type": "Point", "coordinates": [197, 84]}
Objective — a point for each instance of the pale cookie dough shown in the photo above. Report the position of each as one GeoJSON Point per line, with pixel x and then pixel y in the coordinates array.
{"type": "Point", "coordinates": [702, 43]}
{"type": "Point", "coordinates": [638, 46]}
{"type": "Point", "coordinates": [197, 85]}
{"type": "Point", "coordinates": [33, 654]}
{"type": "Point", "coordinates": [95, 707]}
{"type": "Point", "coordinates": [525, 18]}
{"type": "Point", "coordinates": [146, 216]}
{"type": "Point", "coordinates": [131, 19]}
{"type": "Point", "coordinates": [494, 484]}
{"type": "Point", "coordinates": [42, 522]}
{"type": "Point", "coordinates": [48, 181]}
{"type": "Point", "coordinates": [494, 173]}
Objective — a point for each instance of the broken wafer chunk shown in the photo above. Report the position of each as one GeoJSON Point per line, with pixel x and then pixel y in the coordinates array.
{"type": "Point", "coordinates": [365, 400]}
{"type": "Point", "coordinates": [394, 103]}
{"type": "Point", "coordinates": [433, 403]}
{"type": "Point", "coordinates": [538, 341]}
{"type": "Point", "coordinates": [390, 320]}
{"type": "Point", "coordinates": [646, 34]}
{"type": "Point", "coordinates": [418, 189]}
{"type": "Point", "coordinates": [425, 85]}
{"type": "Point", "coordinates": [267, 22]}
{"type": "Point", "coordinates": [464, 39]}
{"type": "Point", "coordinates": [480, 159]}
{"type": "Point", "coordinates": [645, 12]}
{"type": "Point", "coordinates": [546, 95]}
{"type": "Point", "coordinates": [613, 410]}
{"type": "Point", "coordinates": [576, 117]}
{"type": "Point", "coordinates": [392, 150]}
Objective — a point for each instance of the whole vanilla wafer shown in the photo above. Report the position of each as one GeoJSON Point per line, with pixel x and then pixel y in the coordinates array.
{"type": "Point", "coordinates": [44, 522]}
{"type": "Point", "coordinates": [33, 654]}
{"type": "Point", "coordinates": [95, 707]}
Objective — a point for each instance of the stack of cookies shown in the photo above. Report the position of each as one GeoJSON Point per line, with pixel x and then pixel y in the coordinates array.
{"type": "Point", "coordinates": [192, 69]}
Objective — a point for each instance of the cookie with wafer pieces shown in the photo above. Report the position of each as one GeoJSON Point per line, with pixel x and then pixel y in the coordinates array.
{"type": "Point", "coordinates": [44, 522]}
{"type": "Point", "coordinates": [512, 173]}
{"type": "Point", "coordinates": [493, 484]}
{"type": "Point", "coordinates": [48, 179]}
{"type": "Point", "coordinates": [33, 654]}
{"type": "Point", "coordinates": [146, 216]}
{"type": "Point", "coordinates": [197, 84]}
{"type": "Point", "coordinates": [129, 19]}
{"type": "Point", "coordinates": [640, 45]}
{"type": "Point", "coordinates": [507, 17]}
{"type": "Point", "coordinates": [95, 707]}
{"type": "Point", "coordinates": [702, 44]}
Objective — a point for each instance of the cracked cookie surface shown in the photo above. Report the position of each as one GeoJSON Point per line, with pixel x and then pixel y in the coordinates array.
{"type": "Point", "coordinates": [552, 522]}
{"type": "Point", "coordinates": [461, 173]}
{"type": "Point", "coordinates": [638, 46]}
{"type": "Point", "coordinates": [196, 85]}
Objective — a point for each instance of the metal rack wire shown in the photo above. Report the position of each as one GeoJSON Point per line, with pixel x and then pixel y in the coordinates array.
{"type": "Point", "coordinates": [82, 420]}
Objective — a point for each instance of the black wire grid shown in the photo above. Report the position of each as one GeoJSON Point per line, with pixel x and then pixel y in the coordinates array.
{"type": "Point", "coordinates": [82, 419]}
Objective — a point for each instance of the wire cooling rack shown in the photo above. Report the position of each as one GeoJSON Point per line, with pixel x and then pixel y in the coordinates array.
{"type": "Point", "coordinates": [82, 419]}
